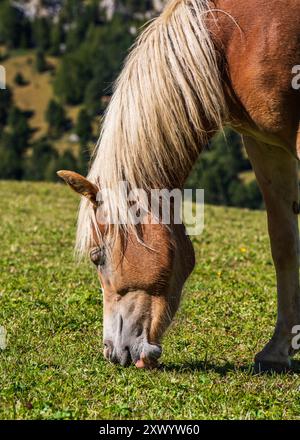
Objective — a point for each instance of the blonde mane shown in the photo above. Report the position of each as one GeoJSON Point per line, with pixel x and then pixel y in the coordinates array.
{"type": "Point", "coordinates": [167, 94]}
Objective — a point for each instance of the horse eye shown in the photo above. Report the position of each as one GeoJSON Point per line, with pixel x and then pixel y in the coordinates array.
{"type": "Point", "coordinates": [98, 256]}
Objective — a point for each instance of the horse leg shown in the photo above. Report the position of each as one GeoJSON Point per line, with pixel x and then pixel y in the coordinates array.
{"type": "Point", "coordinates": [277, 174]}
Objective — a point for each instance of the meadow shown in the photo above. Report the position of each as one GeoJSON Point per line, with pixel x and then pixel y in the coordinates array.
{"type": "Point", "coordinates": [51, 307]}
{"type": "Point", "coordinates": [35, 95]}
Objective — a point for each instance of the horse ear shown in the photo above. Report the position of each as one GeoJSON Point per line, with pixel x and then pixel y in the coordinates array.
{"type": "Point", "coordinates": [80, 185]}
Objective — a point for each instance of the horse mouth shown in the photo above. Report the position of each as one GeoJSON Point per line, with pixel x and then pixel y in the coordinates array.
{"type": "Point", "coordinates": [147, 357]}
{"type": "Point", "coordinates": [147, 364]}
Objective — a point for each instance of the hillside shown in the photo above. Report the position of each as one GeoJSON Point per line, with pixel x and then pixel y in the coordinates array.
{"type": "Point", "coordinates": [35, 95]}
{"type": "Point", "coordinates": [52, 310]}
{"type": "Point", "coordinates": [62, 59]}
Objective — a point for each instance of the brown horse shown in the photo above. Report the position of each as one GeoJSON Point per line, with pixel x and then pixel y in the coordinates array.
{"type": "Point", "coordinates": [199, 66]}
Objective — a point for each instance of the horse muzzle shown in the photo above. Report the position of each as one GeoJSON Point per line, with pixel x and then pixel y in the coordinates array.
{"type": "Point", "coordinates": [141, 353]}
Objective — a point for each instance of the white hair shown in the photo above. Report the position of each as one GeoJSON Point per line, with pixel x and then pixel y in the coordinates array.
{"type": "Point", "coordinates": [167, 94]}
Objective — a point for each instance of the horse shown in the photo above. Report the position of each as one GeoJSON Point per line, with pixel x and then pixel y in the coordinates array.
{"type": "Point", "coordinates": [197, 67]}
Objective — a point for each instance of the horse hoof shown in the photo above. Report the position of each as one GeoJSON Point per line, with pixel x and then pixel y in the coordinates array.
{"type": "Point", "coordinates": [261, 367]}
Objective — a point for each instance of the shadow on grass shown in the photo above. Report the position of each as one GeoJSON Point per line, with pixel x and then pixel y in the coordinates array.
{"type": "Point", "coordinates": [222, 370]}
{"type": "Point", "coordinates": [296, 367]}
{"type": "Point", "coordinates": [191, 367]}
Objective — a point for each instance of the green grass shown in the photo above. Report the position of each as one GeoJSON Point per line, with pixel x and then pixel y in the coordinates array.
{"type": "Point", "coordinates": [52, 309]}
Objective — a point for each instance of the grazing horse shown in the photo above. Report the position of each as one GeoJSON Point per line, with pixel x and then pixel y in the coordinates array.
{"type": "Point", "coordinates": [197, 67]}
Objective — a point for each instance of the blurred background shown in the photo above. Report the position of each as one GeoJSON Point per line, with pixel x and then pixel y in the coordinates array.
{"type": "Point", "coordinates": [61, 58]}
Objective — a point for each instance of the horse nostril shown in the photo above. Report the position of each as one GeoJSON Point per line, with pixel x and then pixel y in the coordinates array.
{"type": "Point", "coordinates": [108, 349]}
{"type": "Point", "coordinates": [125, 358]}
{"type": "Point", "coordinates": [108, 343]}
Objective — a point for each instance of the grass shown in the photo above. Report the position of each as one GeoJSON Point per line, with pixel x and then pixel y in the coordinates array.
{"type": "Point", "coordinates": [51, 307]}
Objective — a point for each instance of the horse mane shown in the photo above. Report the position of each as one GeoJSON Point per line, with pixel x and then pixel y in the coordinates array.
{"type": "Point", "coordinates": [167, 95]}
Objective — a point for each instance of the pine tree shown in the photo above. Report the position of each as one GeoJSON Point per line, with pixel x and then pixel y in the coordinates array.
{"type": "Point", "coordinates": [10, 25]}
{"type": "Point", "coordinates": [84, 127]}
{"type": "Point", "coordinates": [56, 118]}
{"type": "Point", "coordinates": [19, 79]}
{"type": "Point", "coordinates": [19, 130]}
{"type": "Point", "coordinates": [41, 63]}
{"type": "Point", "coordinates": [14, 143]}
{"type": "Point", "coordinates": [5, 105]}
{"type": "Point", "coordinates": [56, 38]}
{"type": "Point", "coordinates": [42, 33]}
{"type": "Point", "coordinates": [39, 165]}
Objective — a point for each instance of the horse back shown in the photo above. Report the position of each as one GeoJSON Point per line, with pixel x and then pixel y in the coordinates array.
{"type": "Point", "coordinates": [260, 44]}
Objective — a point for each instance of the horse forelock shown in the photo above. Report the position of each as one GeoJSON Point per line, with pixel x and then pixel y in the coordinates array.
{"type": "Point", "coordinates": [168, 91]}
